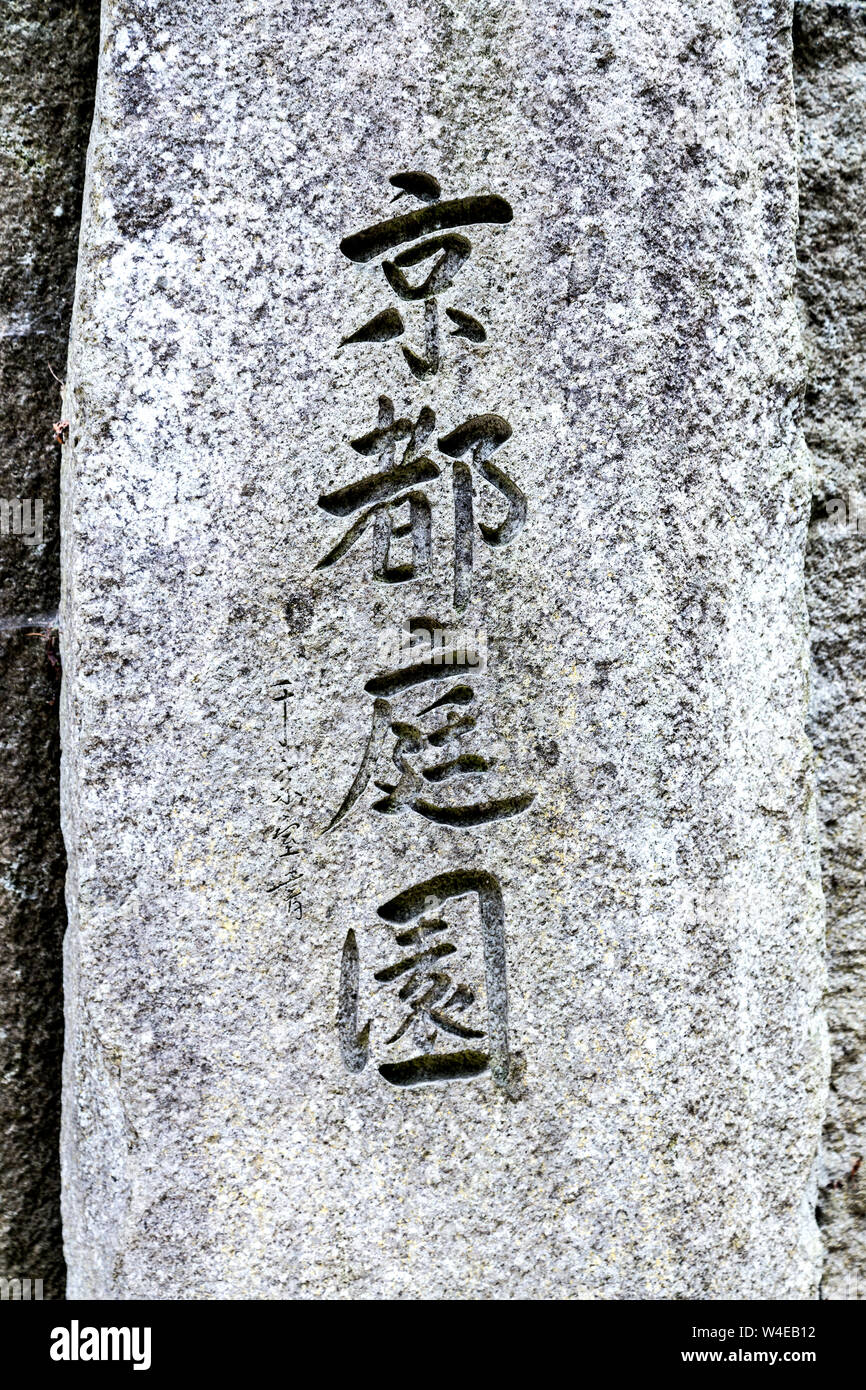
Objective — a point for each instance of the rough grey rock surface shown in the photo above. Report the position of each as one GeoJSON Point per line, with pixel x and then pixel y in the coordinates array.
{"type": "Point", "coordinates": [47, 74]}
{"type": "Point", "coordinates": [649, 1127]}
{"type": "Point", "coordinates": [830, 54]}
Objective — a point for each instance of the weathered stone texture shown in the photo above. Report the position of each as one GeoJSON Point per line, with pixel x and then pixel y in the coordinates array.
{"type": "Point", "coordinates": [47, 72]}
{"type": "Point", "coordinates": [657, 1130]}
{"type": "Point", "coordinates": [830, 51]}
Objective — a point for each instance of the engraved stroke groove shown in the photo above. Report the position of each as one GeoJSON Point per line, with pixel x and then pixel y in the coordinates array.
{"type": "Point", "coordinates": [435, 217]}
{"type": "Point", "coordinates": [354, 1046]}
{"type": "Point", "coordinates": [450, 1066]}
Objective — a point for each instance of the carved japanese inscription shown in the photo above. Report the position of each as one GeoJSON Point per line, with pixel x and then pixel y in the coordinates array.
{"type": "Point", "coordinates": [435, 1006]}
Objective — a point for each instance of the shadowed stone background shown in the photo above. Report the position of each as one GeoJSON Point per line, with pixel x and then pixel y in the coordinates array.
{"type": "Point", "coordinates": [47, 54]}
{"type": "Point", "coordinates": [47, 77]}
{"type": "Point", "coordinates": [830, 68]}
